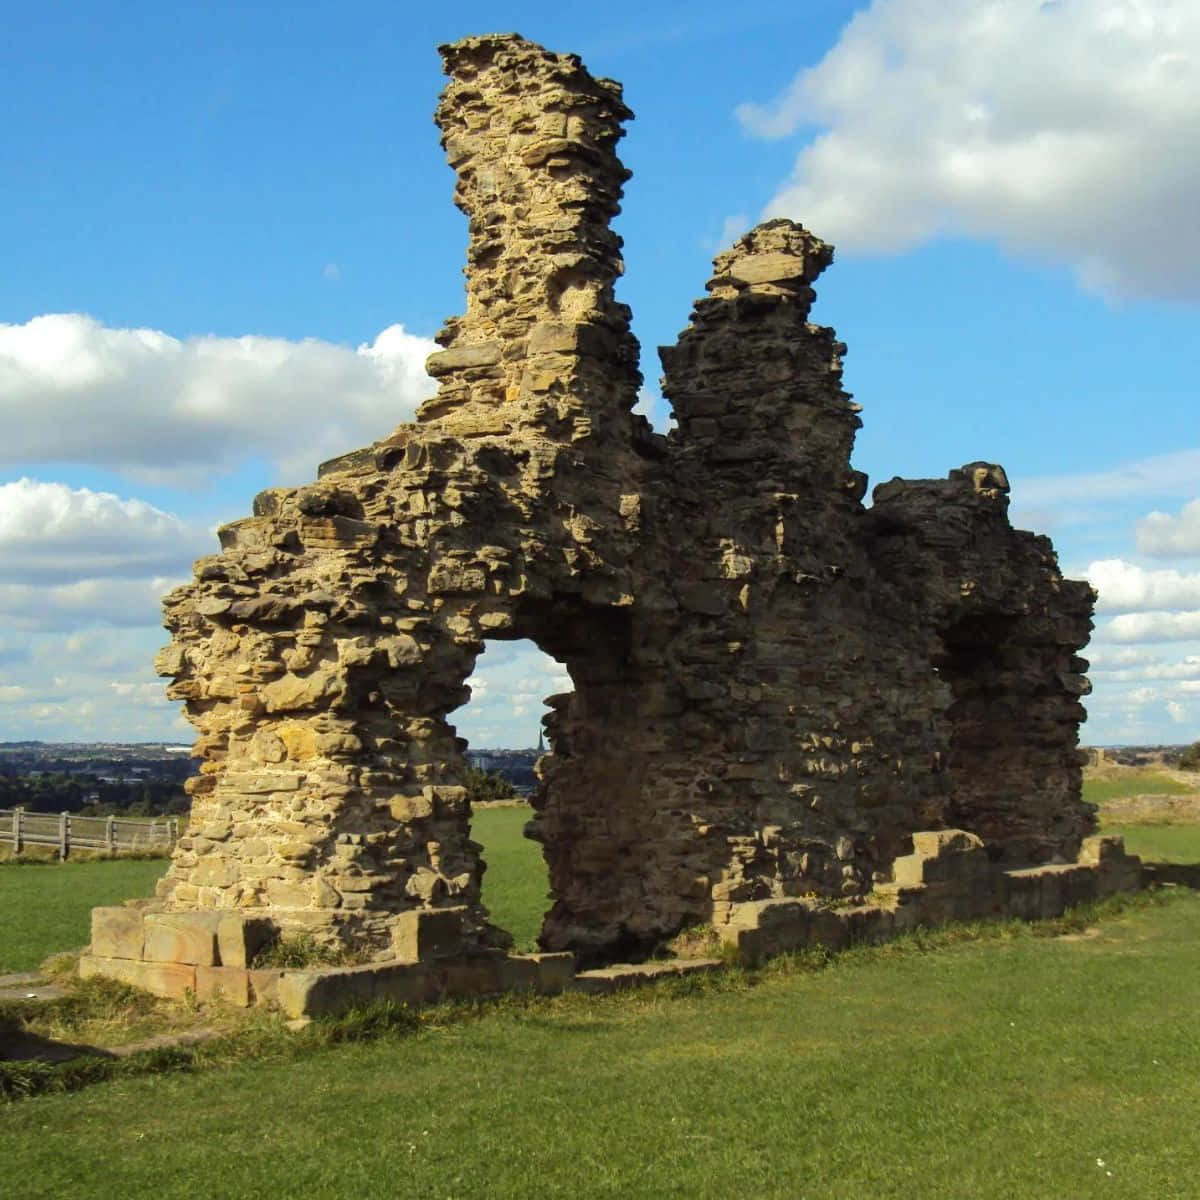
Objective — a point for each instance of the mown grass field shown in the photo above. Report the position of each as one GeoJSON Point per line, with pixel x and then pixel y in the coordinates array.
{"type": "Point", "coordinates": [1017, 1065]}
{"type": "Point", "coordinates": [54, 900]}
{"type": "Point", "coordinates": [45, 906]}
{"type": "Point", "coordinates": [992, 1061]}
{"type": "Point", "coordinates": [1102, 788]}
{"type": "Point", "coordinates": [1160, 843]}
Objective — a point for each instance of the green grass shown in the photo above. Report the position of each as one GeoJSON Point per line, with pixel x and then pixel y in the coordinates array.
{"type": "Point", "coordinates": [46, 907]}
{"type": "Point", "coordinates": [54, 899]}
{"type": "Point", "coordinates": [1100, 790]}
{"type": "Point", "coordinates": [1160, 843]}
{"type": "Point", "coordinates": [1012, 1066]}
{"type": "Point", "coordinates": [515, 885]}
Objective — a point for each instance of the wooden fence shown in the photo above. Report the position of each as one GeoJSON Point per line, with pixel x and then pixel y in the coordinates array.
{"type": "Point", "coordinates": [69, 831]}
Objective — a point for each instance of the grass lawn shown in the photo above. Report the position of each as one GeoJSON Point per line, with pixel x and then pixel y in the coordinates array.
{"type": "Point", "coordinates": [515, 885]}
{"type": "Point", "coordinates": [1102, 789]}
{"type": "Point", "coordinates": [46, 906]}
{"type": "Point", "coordinates": [54, 900]}
{"type": "Point", "coordinates": [1020, 1066]}
{"type": "Point", "coordinates": [1160, 843]}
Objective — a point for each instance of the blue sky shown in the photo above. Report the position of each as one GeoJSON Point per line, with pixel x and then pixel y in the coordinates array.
{"type": "Point", "coordinates": [227, 237]}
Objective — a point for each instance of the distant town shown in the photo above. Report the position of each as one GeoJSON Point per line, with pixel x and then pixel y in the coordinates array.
{"type": "Point", "coordinates": [147, 778]}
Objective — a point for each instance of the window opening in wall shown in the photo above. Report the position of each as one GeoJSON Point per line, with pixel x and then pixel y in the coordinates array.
{"type": "Point", "coordinates": [502, 726]}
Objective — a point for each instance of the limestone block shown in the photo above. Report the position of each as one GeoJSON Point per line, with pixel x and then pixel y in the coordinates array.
{"type": "Point", "coordinates": [291, 692]}
{"type": "Point", "coordinates": [264, 984]}
{"type": "Point", "coordinates": [462, 358]}
{"type": "Point", "coordinates": [171, 980]}
{"type": "Point", "coordinates": [1102, 848]}
{"type": "Point", "coordinates": [240, 938]}
{"type": "Point", "coordinates": [230, 984]}
{"type": "Point", "coordinates": [768, 268]}
{"type": "Point", "coordinates": [485, 975]}
{"type": "Point", "coordinates": [554, 971]}
{"type": "Point", "coordinates": [336, 990]}
{"type": "Point", "coordinates": [422, 934]}
{"type": "Point", "coordinates": [284, 894]}
{"type": "Point", "coordinates": [117, 933]}
{"type": "Point", "coordinates": [934, 843]}
{"type": "Point", "coordinates": [182, 937]}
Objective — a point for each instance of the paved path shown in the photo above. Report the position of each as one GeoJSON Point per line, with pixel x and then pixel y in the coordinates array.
{"type": "Point", "coordinates": [28, 985]}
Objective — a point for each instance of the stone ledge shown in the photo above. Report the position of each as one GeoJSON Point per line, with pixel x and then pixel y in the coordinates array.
{"type": "Point", "coordinates": [602, 981]}
{"type": "Point", "coordinates": [947, 879]}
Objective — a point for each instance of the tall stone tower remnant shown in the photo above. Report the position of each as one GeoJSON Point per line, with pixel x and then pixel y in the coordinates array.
{"type": "Point", "coordinates": [774, 686]}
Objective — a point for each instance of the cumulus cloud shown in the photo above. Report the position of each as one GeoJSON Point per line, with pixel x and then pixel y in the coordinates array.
{"type": "Point", "coordinates": [162, 409]}
{"type": "Point", "coordinates": [52, 533]}
{"type": "Point", "coordinates": [1153, 627]}
{"type": "Point", "coordinates": [86, 602]}
{"type": "Point", "coordinates": [90, 685]}
{"type": "Point", "coordinates": [1161, 535]}
{"type": "Point", "coordinates": [1126, 587]}
{"type": "Point", "coordinates": [1061, 130]}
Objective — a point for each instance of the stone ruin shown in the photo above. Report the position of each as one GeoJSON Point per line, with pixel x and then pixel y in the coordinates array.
{"type": "Point", "coordinates": [775, 687]}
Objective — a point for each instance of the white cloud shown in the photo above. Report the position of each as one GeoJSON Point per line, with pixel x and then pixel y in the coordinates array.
{"type": "Point", "coordinates": [1187, 668]}
{"type": "Point", "coordinates": [1153, 627]}
{"type": "Point", "coordinates": [161, 409]}
{"type": "Point", "coordinates": [1179, 713]}
{"type": "Point", "coordinates": [1162, 474]}
{"type": "Point", "coordinates": [84, 603]}
{"type": "Point", "coordinates": [1066, 131]}
{"type": "Point", "coordinates": [52, 533]}
{"type": "Point", "coordinates": [1105, 659]}
{"type": "Point", "coordinates": [1126, 587]}
{"type": "Point", "coordinates": [91, 685]}
{"type": "Point", "coordinates": [1159, 534]}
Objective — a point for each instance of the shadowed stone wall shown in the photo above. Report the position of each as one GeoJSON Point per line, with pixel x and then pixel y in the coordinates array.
{"type": "Point", "coordinates": [774, 686]}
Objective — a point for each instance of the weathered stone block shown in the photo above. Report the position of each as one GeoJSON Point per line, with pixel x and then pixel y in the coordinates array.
{"type": "Point", "coordinates": [461, 358]}
{"type": "Point", "coordinates": [337, 990]}
{"type": "Point", "coordinates": [422, 934]}
{"type": "Point", "coordinates": [170, 980]}
{"type": "Point", "coordinates": [117, 933]}
{"type": "Point", "coordinates": [264, 984]}
{"type": "Point", "coordinates": [240, 938]}
{"type": "Point", "coordinates": [230, 984]}
{"type": "Point", "coordinates": [554, 971]}
{"type": "Point", "coordinates": [182, 937]}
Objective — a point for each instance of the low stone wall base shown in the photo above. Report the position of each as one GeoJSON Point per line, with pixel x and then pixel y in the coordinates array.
{"type": "Point", "coordinates": [947, 878]}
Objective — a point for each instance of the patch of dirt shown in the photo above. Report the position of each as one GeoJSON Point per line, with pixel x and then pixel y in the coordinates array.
{"type": "Point", "coordinates": [1152, 810]}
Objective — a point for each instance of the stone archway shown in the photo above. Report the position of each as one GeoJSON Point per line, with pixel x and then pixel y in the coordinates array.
{"type": "Point", "coordinates": [756, 716]}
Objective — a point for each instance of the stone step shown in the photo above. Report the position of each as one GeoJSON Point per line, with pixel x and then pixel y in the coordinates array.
{"type": "Point", "coordinates": [603, 980]}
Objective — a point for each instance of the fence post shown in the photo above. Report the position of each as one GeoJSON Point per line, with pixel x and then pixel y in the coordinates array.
{"type": "Point", "coordinates": [64, 836]}
{"type": "Point", "coordinates": [173, 829]}
{"type": "Point", "coordinates": [110, 840]}
{"type": "Point", "coordinates": [16, 832]}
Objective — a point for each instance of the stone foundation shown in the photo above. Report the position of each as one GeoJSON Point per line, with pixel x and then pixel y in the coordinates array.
{"type": "Point", "coordinates": [948, 878]}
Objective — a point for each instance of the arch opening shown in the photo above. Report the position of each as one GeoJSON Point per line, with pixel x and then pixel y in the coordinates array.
{"type": "Point", "coordinates": [502, 737]}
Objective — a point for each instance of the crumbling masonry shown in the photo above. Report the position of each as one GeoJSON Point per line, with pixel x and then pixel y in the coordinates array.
{"type": "Point", "coordinates": [774, 686]}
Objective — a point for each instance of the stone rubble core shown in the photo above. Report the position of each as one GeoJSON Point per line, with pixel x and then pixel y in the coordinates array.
{"type": "Point", "coordinates": [775, 687]}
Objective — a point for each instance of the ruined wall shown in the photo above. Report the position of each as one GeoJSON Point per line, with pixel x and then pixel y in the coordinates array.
{"type": "Point", "coordinates": [773, 686]}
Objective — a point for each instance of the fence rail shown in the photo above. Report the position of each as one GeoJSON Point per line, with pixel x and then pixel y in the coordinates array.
{"type": "Point", "coordinates": [69, 831]}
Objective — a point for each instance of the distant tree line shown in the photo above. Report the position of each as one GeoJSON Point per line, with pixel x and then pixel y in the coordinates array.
{"type": "Point", "coordinates": [1189, 760]}
{"type": "Point", "coordinates": [90, 796]}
